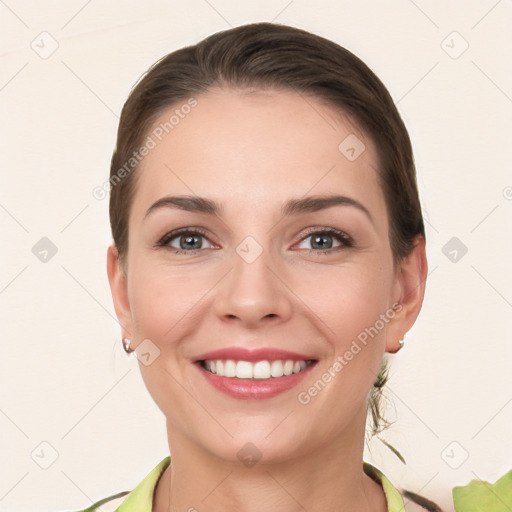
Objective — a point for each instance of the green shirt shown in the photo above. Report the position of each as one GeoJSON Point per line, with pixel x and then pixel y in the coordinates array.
{"type": "Point", "coordinates": [477, 496]}
{"type": "Point", "coordinates": [141, 498]}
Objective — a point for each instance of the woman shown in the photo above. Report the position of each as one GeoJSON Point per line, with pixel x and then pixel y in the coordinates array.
{"type": "Point", "coordinates": [269, 250]}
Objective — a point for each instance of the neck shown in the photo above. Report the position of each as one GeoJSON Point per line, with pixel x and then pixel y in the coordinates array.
{"type": "Point", "coordinates": [330, 478]}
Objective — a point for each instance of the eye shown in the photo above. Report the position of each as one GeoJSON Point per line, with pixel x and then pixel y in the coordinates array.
{"type": "Point", "coordinates": [185, 241]}
{"type": "Point", "coordinates": [326, 240]}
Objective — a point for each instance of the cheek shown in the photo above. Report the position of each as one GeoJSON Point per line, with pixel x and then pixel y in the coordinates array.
{"type": "Point", "coordinates": [163, 301]}
{"type": "Point", "coordinates": [352, 305]}
{"type": "Point", "coordinates": [165, 304]}
{"type": "Point", "coordinates": [348, 299]}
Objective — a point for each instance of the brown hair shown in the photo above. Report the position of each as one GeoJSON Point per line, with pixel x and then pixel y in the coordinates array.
{"type": "Point", "coordinates": [268, 55]}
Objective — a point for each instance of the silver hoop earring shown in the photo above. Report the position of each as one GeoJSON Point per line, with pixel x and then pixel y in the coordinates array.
{"type": "Point", "coordinates": [126, 345]}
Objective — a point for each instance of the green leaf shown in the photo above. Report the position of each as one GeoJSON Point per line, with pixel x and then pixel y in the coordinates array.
{"type": "Point", "coordinates": [480, 496]}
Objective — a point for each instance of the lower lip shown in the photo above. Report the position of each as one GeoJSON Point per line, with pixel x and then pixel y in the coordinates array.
{"type": "Point", "coordinates": [254, 388]}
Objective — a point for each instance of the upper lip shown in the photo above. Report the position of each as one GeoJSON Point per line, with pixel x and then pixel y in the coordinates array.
{"type": "Point", "coordinates": [253, 355]}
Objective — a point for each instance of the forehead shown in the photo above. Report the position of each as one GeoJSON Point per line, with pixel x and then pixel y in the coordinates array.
{"type": "Point", "coordinates": [252, 145]}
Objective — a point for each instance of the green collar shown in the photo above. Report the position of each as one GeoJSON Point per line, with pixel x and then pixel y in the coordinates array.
{"type": "Point", "coordinates": [141, 498]}
{"type": "Point", "coordinates": [393, 497]}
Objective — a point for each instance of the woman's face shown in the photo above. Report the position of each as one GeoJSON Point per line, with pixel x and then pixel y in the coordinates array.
{"type": "Point", "coordinates": [295, 257]}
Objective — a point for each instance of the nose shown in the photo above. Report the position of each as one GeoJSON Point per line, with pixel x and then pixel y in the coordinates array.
{"type": "Point", "coordinates": [253, 294]}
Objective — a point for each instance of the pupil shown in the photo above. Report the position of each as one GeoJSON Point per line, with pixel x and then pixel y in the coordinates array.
{"type": "Point", "coordinates": [190, 242]}
{"type": "Point", "coordinates": [322, 242]}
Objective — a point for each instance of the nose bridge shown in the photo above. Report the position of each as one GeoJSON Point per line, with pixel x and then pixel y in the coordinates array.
{"type": "Point", "coordinates": [251, 292]}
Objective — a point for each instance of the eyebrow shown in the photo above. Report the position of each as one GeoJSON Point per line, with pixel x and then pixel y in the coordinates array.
{"type": "Point", "coordinates": [292, 207]}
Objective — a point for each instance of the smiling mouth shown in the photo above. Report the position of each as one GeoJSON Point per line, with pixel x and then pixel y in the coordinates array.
{"type": "Point", "coordinates": [258, 370]}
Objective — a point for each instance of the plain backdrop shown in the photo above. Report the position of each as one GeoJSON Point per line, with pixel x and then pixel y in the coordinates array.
{"type": "Point", "coordinates": [77, 423]}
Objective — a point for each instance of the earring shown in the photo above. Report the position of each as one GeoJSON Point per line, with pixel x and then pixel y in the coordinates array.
{"type": "Point", "coordinates": [402, 341]}
{"type": "Point", "coordinates": [126, 345]}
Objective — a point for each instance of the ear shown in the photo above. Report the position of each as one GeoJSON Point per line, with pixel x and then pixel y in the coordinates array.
{"type": "Point", "coordinates": [118, 287]}
{"type": "Point", "coordinates": [408, 294]}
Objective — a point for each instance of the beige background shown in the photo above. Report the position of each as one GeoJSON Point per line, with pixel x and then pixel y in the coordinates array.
{"type": "Point", "coordinates": [65, 381]}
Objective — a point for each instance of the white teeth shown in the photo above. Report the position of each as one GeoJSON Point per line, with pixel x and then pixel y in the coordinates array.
{"type": "Point", "coordinates": [243, 370]}
{"type": "Point", "coordinates": [229, 369]}
{"type": "Point", "coordinates": [276, 369]}
{"type": "Point", "coordinates": [288, 368]}
{"type": "Point", "coordinates": [259, 370]}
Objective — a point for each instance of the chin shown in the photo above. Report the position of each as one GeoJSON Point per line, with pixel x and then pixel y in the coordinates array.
{"type": "Point", "coordinates": [258, 442]}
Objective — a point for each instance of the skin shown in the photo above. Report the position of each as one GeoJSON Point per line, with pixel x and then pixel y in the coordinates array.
{"type": "Point", "coordinates": [251, 151]}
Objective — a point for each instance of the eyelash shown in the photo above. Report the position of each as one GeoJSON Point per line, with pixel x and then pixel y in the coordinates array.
{"type": "Point", "coordinates": [342, 237]}
{"type": "Point", "coordinates": [164, 241]}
